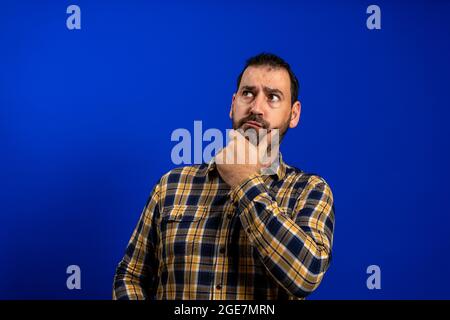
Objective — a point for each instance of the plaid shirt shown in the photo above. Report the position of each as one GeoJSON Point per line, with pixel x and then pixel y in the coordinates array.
{"type": "Point", "coordinates": [268, 238]}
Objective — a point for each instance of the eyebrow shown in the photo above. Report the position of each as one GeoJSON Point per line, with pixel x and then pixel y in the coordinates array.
{"type": "Point", "coordinates": [267, 90]}
{"type": "Point", "coordinates": [249, 88]}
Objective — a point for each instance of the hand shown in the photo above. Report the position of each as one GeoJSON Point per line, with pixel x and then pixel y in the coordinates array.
{"type": "Point", "coordinates": [240, 158]}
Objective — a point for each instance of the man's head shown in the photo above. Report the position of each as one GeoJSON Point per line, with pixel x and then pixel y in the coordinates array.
{"type": "Point", "coordinates": [266, 96]}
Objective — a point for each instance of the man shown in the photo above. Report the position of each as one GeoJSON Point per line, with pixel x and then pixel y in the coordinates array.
{"type": "Point", "coordinates": [230, 231]}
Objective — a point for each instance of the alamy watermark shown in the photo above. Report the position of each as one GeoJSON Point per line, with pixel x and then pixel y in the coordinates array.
{"type": "Point", "coordinates": [73, 22]}
{"type": "Point", "coordinates": [374, 280]}
{"type": "Point", "coordinates": [373, 21]}
{"type": "Point", "coordinates": [251, 146]}
{"type": "Point", "coordinates": [74, 279]}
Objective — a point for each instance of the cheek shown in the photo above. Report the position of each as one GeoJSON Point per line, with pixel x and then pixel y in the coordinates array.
{"type": "Point", "coordinates": [278, 120]}
{"type": "Point", "coordinates": [240, 109]}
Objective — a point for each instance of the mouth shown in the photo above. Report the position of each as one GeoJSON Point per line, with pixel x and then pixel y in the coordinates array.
{"type": "Point", "coordinates": [253, 124]}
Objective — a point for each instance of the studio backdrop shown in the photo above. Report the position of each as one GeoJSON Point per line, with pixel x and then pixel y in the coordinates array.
{"type": "Point", "coordinates": [91, 92]}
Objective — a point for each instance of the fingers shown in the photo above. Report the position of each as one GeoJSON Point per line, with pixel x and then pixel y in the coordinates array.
{"type": "Point", "coordinates": [242, 151]}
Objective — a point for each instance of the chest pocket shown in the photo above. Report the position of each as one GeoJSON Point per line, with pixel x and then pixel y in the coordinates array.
{"type": "Point", "coordinates": [183, 213]}
{"type": "Point", "coordinates": [181, 231]}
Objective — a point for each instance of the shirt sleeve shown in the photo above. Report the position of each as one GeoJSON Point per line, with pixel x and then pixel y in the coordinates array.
{"type": "Point", "coordinates": [136, 273]}
{"type": "Point", "coordinates": [295, 248]}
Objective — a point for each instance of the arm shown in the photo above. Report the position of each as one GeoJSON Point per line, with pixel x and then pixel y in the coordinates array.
{"type": "Point", "coordinates": [135, 274]}
{"type": "Point", "coordinates": [295, 250]}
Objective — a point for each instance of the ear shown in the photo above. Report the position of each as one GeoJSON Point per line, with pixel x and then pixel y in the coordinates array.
{"type": "Point", "coordinates": [295, 114]}
{"type": "Point", "coordinates": [232, 105]}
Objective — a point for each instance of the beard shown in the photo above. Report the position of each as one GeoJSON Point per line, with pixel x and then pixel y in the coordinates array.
{"type": "Point", "coordinates": [238, 124]}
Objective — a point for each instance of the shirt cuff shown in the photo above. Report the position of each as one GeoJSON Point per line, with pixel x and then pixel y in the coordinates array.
{"type": "Point", "coordinates": [249, 190]}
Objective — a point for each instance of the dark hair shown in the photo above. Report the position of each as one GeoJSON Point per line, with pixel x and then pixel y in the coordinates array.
{"type": "Point", "coordinates": [271, 60]}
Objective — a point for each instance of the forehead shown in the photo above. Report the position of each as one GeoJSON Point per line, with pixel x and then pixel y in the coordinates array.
{"type": "Point", "coordinates": [275, 78]}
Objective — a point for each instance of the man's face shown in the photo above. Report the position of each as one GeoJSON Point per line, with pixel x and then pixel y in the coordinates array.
{"type": "Point", "coordinates": [263, 101]}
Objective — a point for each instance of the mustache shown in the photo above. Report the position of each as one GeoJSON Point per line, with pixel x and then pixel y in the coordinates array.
{"type": "Point", "coordinates": [256, 118]}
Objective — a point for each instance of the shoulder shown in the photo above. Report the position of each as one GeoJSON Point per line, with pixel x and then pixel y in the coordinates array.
{"type": "Point", "coordinates": [185, 174]}
{"type": "Point", "coordinates": [306, 181]}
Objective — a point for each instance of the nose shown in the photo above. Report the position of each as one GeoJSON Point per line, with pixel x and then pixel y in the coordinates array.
{"type": "Point", "coordinates": [257, 107]}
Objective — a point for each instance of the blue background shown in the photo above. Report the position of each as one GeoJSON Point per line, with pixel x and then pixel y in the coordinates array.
{"type": "Point", "coordinates": [86, 118]}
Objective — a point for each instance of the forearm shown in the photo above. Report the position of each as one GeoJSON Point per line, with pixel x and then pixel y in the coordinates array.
{"type": "Point", "coordinates": [295, 250]}
{"type": "Point", "coordinates": [128, 284]}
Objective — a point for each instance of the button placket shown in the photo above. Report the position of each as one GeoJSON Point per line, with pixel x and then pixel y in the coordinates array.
{"type": "Point", "coordinates": [221, 259]}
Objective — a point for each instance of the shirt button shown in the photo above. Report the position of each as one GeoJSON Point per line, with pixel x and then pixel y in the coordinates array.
{"type": "Point", "coordinates": [222, 250]}
{"type": "Point", "coordinates": [218, 287]}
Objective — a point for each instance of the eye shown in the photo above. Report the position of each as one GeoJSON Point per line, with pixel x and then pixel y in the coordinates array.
{"type": "Point", "coordinates": [247, 93]}
{"type": "Point", "coordinates": [274, 98]}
